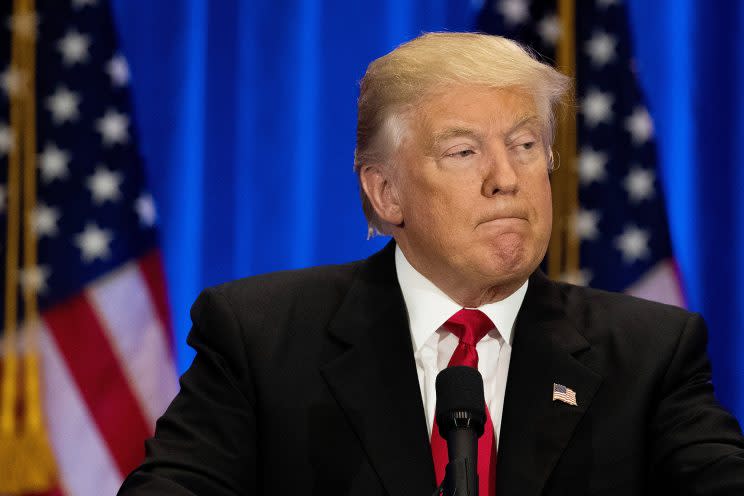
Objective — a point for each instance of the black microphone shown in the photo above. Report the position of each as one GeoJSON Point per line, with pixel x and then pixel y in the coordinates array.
{"type": "Point", "coordinates": [461, 415]}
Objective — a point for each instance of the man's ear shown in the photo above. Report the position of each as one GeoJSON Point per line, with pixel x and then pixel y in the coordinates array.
{"type": "Point", "coordinates": [382, 193]}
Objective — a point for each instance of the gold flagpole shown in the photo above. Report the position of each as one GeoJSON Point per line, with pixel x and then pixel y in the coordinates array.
{"type": "Point", "coordinates": [563, 256]}
{"type": "Point", "coordinates": [9, 476]}
{"type": "Point", "coordinates": [27, 464]}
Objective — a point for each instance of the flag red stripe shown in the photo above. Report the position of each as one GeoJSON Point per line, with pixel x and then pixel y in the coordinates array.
{"type": "Point", "coordinates": [104, 387]}
{"type": "Point", "coordinates": [151, 267]}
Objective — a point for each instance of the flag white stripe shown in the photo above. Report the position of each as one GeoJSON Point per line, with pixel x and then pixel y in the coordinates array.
{"type": "Point", "coordinates": [660, 283]}
{"type": "Point", "coordinates": [83, 459]}
{"type": "Point", "coordinates": [137, 336]}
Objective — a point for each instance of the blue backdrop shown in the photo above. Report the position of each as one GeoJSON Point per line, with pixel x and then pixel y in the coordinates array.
{"type": "Point", "coordinates": [246, 115]}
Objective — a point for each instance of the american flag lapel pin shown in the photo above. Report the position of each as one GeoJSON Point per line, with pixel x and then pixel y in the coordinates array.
{"type": "Point", "coordinates": [564, 394]}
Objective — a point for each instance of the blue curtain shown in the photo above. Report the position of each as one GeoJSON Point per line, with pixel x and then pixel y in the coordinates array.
{"type": "Point", "coordinates": [246, 112]}
{"type": "Point", "coordinates": [246, 116]}
{"type": "Point", "coordinates": [690, 57]}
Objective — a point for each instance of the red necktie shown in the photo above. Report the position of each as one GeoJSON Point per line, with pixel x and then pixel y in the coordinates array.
{"type": "Point", "coordinates": [470, 326]}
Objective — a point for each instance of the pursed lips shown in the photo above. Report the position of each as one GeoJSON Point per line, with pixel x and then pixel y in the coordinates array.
{"type": "Point", "coordinates": [503, 217]}
{"type": "Point", "coordinates": [503, 222]}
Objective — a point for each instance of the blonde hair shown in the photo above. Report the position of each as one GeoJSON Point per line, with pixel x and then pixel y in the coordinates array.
{"type": "Point", "coordinates": [396, 82]}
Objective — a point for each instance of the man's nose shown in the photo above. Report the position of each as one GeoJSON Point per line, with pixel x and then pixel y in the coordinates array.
{"type": "Point", "coordinates": [500, 177]}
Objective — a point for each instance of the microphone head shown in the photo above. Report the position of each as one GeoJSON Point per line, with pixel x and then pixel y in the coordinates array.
{"type": "Point", "coordinates": [460, 400]}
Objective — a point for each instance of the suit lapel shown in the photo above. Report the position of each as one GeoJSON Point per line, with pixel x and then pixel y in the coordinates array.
{"type": "Point", "coordinates": [375, 382]}
{"type": "Point", "coordinates": [535, 429]}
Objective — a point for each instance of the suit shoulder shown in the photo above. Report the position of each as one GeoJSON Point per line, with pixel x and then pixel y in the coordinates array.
{"type": "Point", "coordinates": [309, 295]}
{"type": "Point", "coordinates": [316, 283]}
{"type": "Point", "coordinates": [620, 305]}
{"type": "Point", "coordinates": [601, 314]}
{"type": "Point", "coordinates": [274, 306]}
{"type": "Point", "coordinates": [633, 333]}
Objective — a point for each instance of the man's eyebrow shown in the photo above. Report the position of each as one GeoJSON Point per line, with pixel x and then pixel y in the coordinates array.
{"type": "Point", "coordinates": [454, 132]}
{"type": "Point", "coordinates": [526, 120]}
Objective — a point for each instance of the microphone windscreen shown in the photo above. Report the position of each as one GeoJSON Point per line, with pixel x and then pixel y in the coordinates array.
{"type": "Point", "coordinates": [460, 389]}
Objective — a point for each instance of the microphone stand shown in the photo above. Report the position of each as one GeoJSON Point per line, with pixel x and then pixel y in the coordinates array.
{"type": "Point", "coordinates": [460, 479]}
{"type": "Point", "coordinates": [461, 473]}
{"type": "Point", "coordinates": [461, 414]}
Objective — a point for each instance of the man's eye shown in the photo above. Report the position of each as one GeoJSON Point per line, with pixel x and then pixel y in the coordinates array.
{"type": "Point", "coordinates": [527, 146]}
{"type": "Point", "coordinates": [461, 153]}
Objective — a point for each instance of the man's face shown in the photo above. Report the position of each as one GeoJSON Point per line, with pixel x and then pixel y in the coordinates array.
{"type": "Point", "coordinates": [471, 179]}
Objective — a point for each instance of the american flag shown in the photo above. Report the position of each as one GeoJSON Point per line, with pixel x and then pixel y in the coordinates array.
{"type": "Point", "coordinates": [105, 338]}
{"type": "Point", "coordinates": [621, 221]}
{"type": "Point", "coordinates": [564, 394]}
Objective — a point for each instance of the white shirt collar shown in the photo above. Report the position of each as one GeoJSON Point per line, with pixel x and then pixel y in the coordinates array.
{"type": "Point", "coordinates": [429, 307]}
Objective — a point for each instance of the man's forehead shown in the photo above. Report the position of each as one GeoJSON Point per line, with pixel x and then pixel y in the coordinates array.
{"type": "Point", "coordinates": [456, 106]}
{"type": "Point", "coordinates": [445, 92]}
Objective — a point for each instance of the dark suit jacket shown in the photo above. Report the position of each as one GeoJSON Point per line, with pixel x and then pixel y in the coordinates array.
{"type": "Point", "coordinates": [304, 382]}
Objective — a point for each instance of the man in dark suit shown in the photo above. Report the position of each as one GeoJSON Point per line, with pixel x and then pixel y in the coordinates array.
{"type": "Point", "coordinates": [320, 381]}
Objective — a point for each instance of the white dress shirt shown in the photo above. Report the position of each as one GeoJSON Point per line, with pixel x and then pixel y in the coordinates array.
{"type": "Point", "coordinates": [428, 309]}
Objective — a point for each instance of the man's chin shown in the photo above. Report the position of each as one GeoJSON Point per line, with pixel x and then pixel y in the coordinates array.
{"type": "Point", "coordinates": [509, 265]}
{"type": "Point", "coordinates": [509, 251]}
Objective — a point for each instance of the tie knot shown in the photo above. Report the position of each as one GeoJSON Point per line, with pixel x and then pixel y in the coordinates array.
{"type": "Point", "coordinates": [469, 325]}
